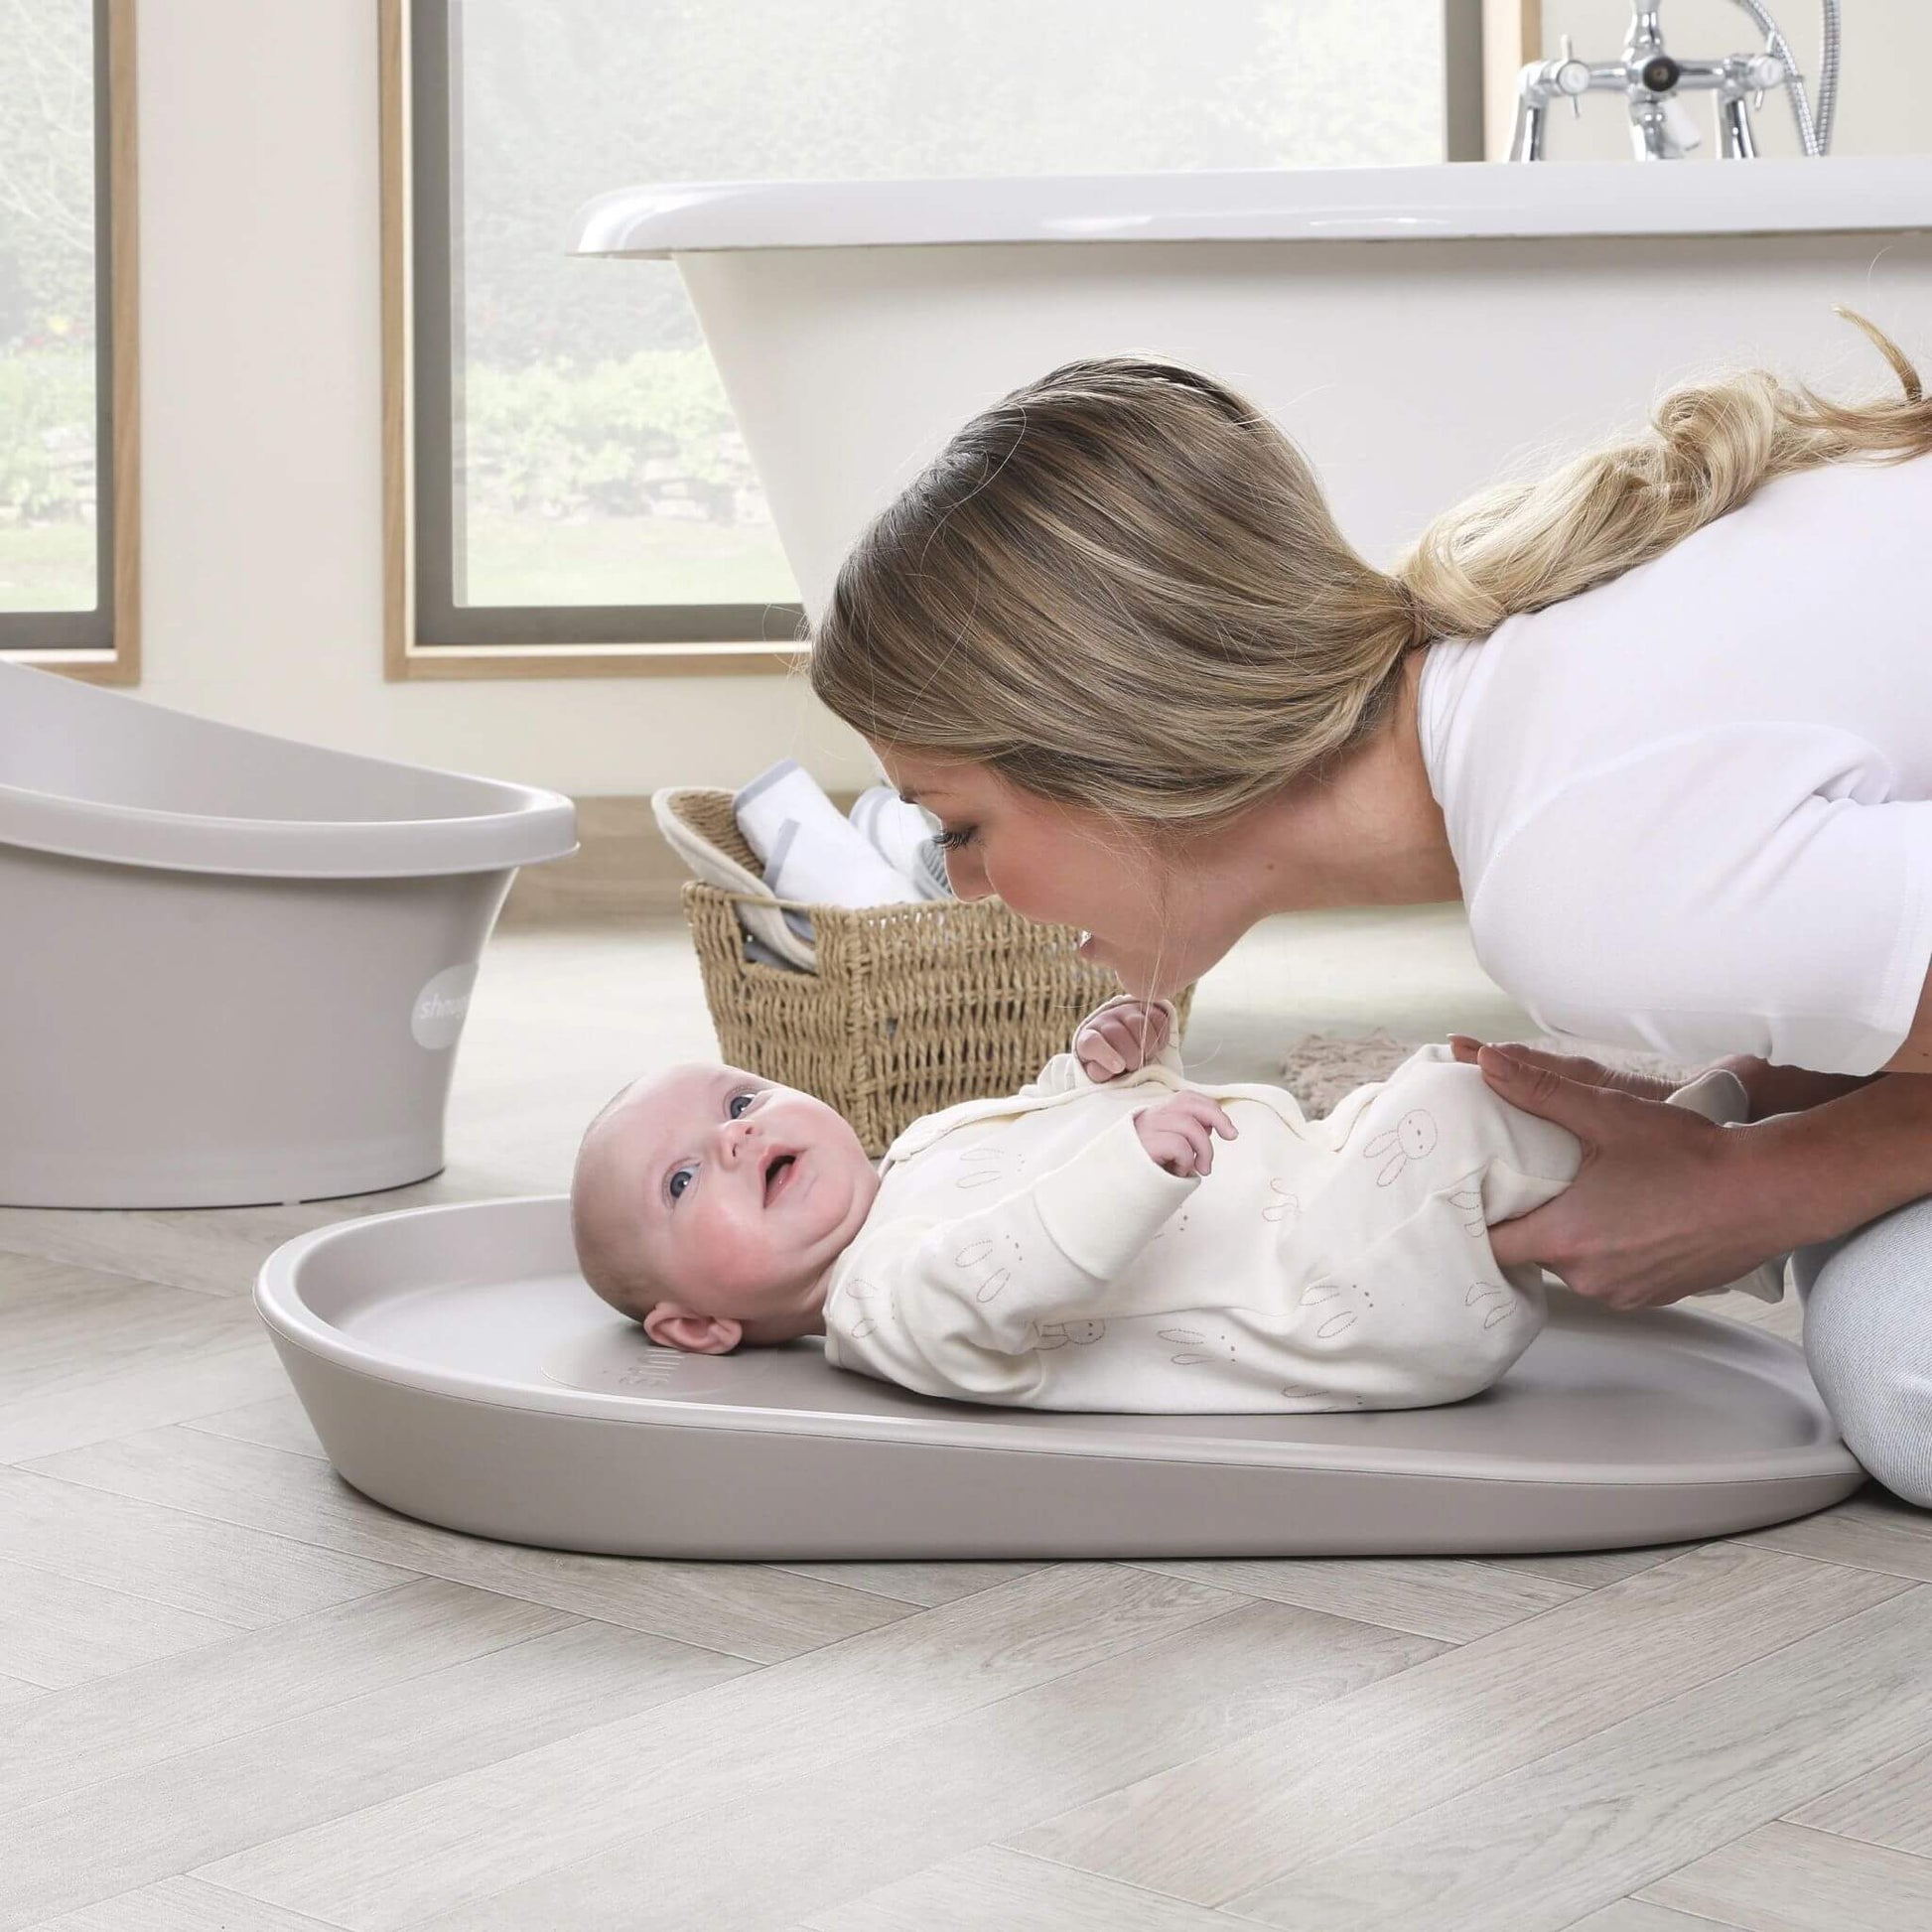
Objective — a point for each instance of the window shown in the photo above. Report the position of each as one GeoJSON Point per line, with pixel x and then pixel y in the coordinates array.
{"type": "Point", "coordinates": [67, 416]}
{"type": "Point", "coordinates": [579, 482]}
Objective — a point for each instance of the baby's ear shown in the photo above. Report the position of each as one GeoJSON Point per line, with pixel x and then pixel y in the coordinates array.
{"type": "Point", "coordinates": [672, 1326]}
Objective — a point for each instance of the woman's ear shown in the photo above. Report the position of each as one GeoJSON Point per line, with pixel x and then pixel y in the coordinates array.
{"type": "Point", "coordinates": [672, 1326]}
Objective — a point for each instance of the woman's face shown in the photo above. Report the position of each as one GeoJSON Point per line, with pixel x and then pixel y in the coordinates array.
{"type": "Point", "coordinates": [1064, 865]}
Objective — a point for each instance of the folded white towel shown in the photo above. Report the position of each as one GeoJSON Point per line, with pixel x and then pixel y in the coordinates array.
{"type": "Point", "coordinates": [808, 851]}
{"type": "Point", "coordinates": [905, 836]}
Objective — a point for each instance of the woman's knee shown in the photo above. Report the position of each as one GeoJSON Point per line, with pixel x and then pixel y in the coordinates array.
{"type": "Point", "coordinates": [1887, 1426]}
{"type": "Point", "coordinates": [1868, 1340]}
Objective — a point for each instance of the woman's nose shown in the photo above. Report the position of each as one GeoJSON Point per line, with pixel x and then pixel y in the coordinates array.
{"type": "Point", "coordinates": [967, 876]}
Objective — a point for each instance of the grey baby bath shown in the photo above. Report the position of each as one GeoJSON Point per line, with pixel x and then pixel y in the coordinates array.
{"type": "Point", "coordinates": [235, 966]}
{"type": "Point", "coordinates": [458, 1369]}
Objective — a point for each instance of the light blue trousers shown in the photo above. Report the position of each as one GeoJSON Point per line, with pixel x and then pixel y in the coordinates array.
{"type": "Point", "coordinates": [1868, 1300]}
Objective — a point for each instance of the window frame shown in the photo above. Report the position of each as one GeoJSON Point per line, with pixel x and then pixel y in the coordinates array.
{"type": "Point", "coordinates": [425, 636]}
{"type": "Point", "coordinates": [103, 646]}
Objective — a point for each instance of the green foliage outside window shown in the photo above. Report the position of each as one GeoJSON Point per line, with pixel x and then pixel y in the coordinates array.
{"type": "Point", "coordinates": [48, 481]}
{"type": "Point", "coordinates": [626, 437]}
{"type": "Point", "coordinates": [47, 436]}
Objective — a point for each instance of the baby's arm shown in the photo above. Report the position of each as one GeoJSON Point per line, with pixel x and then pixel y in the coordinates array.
{"type": "Point", "coordinates": [981, 1283]}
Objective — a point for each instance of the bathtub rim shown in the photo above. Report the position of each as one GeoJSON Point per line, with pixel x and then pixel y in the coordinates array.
{"type": "Point", "coordinates": [497, 824]}
{"type": "Point", "coordinates": [536, 827]}
{"type": "Point", "coordinates": [1437, 200]}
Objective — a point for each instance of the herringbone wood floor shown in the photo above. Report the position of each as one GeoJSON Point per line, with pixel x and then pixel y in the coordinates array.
{"type": "Point", "coordinates": [234, 1695]}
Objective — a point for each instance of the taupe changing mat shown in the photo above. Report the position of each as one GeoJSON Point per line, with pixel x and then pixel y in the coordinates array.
{"type": "Point", "coordinates": [458, 1369]}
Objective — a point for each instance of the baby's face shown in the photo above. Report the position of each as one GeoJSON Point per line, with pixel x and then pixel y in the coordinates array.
{"type": "Point", "coordinates": [738, 1193]}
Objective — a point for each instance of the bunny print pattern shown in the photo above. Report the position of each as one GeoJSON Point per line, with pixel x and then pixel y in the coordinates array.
{"type": "Point", "coordinates": [988, 1262]}
{"type": "Point", "coordinates": [1082, 1334]}
{"type": "Point", "coordinates": [1282, 1205]}
{"type": "Point", "coordinates": [1412, 1138]}
{"type": "Point", "coordinates": [987, 1166]}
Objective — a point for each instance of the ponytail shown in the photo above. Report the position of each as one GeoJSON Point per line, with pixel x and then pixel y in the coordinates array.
{"type": "Point", "coordinates": [1521, 546]}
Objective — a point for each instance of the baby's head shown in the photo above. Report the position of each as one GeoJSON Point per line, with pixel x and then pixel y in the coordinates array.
{"type": "Point", "coordinates": [709, 1205]}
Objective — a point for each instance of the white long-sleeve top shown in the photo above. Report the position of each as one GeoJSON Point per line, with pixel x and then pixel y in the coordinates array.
{"type": "Point", "coordinates": [1691, 809]}
{"type": "Point", "coordinates": [1030, 1251]}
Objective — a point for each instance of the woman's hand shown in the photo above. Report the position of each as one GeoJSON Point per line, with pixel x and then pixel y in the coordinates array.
{"type": "Point", "coordinates": [1665, 1203]}
{"type": "Point", "coordinates": [1572, 1066]}
{"type": "Point", "coordinates": [1123, 1035]}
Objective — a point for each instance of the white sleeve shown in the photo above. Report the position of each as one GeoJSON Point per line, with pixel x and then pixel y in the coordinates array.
{"type": "Point", "coordinates": [1060, 1074]}
{"type": "Point", "coordinates": [934, 1299]}
{"type": "Point", "coordinates": [1752, 890]}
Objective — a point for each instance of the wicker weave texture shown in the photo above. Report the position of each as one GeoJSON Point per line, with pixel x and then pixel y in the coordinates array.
{"type": "Point", "coordinates": [914, 1007]}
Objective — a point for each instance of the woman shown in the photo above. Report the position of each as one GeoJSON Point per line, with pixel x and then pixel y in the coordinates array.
{"type": "Point", "coordinates": [1663, 719]}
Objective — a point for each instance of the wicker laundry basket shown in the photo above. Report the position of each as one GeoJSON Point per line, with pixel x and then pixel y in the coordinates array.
{"type": "Point", "coordinates": [913, 1007]}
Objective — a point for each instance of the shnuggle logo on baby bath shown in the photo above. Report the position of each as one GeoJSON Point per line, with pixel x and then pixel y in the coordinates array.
{"type": "Point", "coordinates": [437, 1018]}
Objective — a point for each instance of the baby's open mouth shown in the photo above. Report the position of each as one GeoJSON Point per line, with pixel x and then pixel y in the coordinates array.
{"type": "Point", "coordinates": [776, 1175]}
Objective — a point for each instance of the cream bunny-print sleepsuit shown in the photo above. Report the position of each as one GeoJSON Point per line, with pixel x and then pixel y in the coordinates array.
{"type": "Point", "coordinates": [1030, 1251]}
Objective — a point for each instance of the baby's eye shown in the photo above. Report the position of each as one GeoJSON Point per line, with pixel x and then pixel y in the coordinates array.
{"type": "Point", "coordinates": [733, 1108]}
{"type": "Point", "coordinates": [957, 841]}
{"type": "Point", "coordinates": [679, 1181]}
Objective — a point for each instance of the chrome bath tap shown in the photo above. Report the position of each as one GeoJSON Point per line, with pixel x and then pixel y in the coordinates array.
{"type": "Point", "coordinates": [1651, 79]}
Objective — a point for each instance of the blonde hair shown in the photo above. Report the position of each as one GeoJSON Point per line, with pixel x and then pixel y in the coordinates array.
{"type": "Point", "coordinates": [1121, 586]}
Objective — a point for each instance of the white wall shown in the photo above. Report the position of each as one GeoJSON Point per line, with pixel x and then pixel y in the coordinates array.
{"type": "Point", "coordinates": [259, 350]}
{"type": "Point", "coordinates": [261, 473]}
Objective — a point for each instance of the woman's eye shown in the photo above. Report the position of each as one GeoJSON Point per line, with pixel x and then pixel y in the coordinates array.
{"type": "Point", "coordinates": [680, 1180]}
{"type": "Point", "coordinates": [957, 841]}
{"type": "Point", "coordinates": [737, 1103]}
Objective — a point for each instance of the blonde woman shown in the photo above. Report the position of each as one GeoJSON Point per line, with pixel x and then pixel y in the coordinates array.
{"type": "Point", "coordinates": [1661, 720]}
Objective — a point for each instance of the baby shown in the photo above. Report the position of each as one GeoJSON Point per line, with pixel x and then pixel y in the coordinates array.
{"type": "Point", "coordinates": [1084, 1244]}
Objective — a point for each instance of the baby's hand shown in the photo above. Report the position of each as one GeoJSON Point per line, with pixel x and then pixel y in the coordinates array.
{"type": "Point", "coordinates": [1120, 1037]}
{"type": "Point", "coordinates": [1179, 1133]}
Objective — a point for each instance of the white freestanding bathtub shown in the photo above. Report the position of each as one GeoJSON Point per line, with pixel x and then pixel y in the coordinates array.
{"type": "Point", "coordinates": [234, 969]}
{"type": "Point", "coordinates": [1414, 328]}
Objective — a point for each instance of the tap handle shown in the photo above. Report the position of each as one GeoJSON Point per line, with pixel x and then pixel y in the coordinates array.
{"type": "Point", "coordinates": [1572, 77]}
